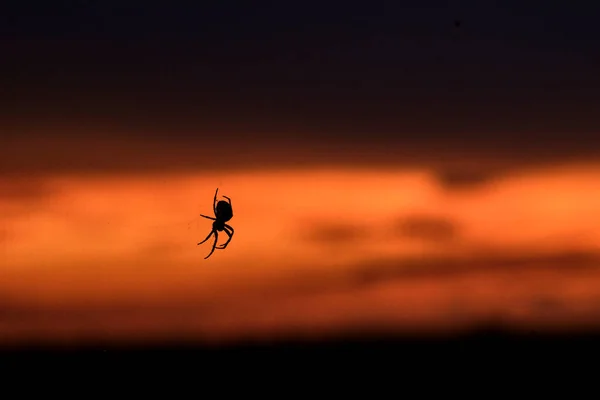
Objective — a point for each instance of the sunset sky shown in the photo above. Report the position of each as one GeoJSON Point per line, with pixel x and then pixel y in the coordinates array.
{"type": "Point", "coordinates": [389, 171]}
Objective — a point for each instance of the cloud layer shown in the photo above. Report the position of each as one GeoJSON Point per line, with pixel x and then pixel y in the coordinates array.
{"type": "Point", "coordinates": [317, 251]}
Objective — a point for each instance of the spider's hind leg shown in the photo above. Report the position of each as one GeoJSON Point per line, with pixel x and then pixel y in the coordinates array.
{"type": "Point", "coordinates": [214, 245]}
{"type": "Point", "coordinates": [209, 235]}
{"type": "Point", "coordinates": [230, 234]}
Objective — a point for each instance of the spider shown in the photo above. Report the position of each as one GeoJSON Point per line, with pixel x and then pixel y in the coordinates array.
{"type": "Point", "coordinates": [223, 213]}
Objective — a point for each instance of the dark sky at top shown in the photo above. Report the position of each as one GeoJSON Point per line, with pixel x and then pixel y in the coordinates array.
{"type": "Point", "coordinates": [513, 73]}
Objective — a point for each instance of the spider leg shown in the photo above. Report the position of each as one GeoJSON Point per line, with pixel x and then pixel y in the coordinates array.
{"type": "Point", "coordinates": [215, 202]}
{"type": "Point", "coordinates": [206, 216]}
{"type": "Point", "coordinates": [209, 235]}
{"type": "Point", "coordinates": [230, 228]}
{"type": "Point", "coordinates": [228, 199]}
{"type": "Point", "coordinates": [230, 234]}
{"type": "Point", "coordinates": [214, 245]}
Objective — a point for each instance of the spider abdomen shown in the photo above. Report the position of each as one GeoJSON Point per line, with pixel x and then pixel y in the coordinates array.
{"type": "Point", "coordinates": [224, 211]}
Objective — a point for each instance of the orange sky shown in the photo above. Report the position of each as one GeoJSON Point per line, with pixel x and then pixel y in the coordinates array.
{"type": "Point", "coordinates": [109, 257]}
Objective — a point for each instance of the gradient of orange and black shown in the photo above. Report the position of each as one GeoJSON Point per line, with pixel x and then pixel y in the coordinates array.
{"type": "Point", "coordinates": [392, 173]}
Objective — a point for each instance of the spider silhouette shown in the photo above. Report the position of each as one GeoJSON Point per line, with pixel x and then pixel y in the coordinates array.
{"type": "Point", "coordinates": [223, 213]}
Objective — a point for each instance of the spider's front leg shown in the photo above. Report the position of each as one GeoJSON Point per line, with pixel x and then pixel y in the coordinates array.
{"type": "Point", "coordinates": [215, 202]}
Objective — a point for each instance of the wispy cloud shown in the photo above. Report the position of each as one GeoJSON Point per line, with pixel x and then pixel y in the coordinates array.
{"type": "Point", "coordinates": [426, 227]}
{"type": "Point", "coordinates": [334, 233]}
{"type": "Point", "coordinates": [458, 178]}
{"type": "Point", "coordinates": [24, 189]}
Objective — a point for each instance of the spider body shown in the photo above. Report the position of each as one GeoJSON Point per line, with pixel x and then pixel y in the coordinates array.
{"type": "Point", "coordinates": [223, 212]}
